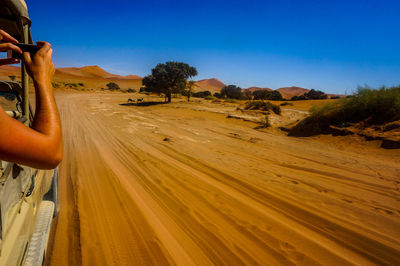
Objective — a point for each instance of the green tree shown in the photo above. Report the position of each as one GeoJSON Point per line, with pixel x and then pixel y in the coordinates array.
{"type": "Point", "coordinates": [275, 96]}
{"type": "Point", "coordinates": [232, 92]}
{"type": "Point", "coordinates": [112, 86]}
{"type": "Point", "coordinates": [315, 95]}
{"type": "Point", "coordinates": [261, 95]}
{"type": "Point", "coordinates": [267, 95]}
{"type": "Point", "coordinates": [169, 78]}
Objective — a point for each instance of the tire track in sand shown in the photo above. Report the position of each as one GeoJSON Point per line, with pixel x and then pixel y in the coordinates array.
{"type": "Point", "coordinates": [194, 200]}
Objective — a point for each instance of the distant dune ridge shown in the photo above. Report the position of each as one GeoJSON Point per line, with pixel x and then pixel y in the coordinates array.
{"type": "Point", "coordinates": [95, 77]}
{"type": "Point", "coordinates": [213, 85]}
{"type": "Point", "coordinates": [6, 71]}
{"type": "Point", "coordinates": [289, 92]}
{"type": "Point", "coordinates": [257, 89]}
{"type": "Point", "coordinates": [92, 72]}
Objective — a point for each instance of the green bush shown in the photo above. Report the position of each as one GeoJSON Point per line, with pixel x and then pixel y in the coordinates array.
{"type": "Point", "coordinates": [209, 97]}
{"type": "Point", "coordinates": [267, 95]}
{"type": "Point", "coordinates": [378, 106]}
{"type": "Point", "coordinates": [201, 94]}
{"type": "Point", "coordinates": [369, 106]}
{"type": "Point", "coordinates": [112, 86]}
{"type": "Point", "coordinates": [218, 95]}
{"type": "Point", "coordinates": [264, 106]}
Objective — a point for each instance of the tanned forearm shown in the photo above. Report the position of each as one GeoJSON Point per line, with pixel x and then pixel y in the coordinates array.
{"type": "Point", "coordinates": [47, 119]}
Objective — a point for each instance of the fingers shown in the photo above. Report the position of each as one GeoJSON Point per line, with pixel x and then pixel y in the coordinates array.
{"type": "Point", "coordinates": [8, 61]}
{"type": "Point", "coordinates": [10, 46]}
{"type": "Point", "coordinates": [44, 45]}
{"type": "Point", "coordinates": [27, 58]}
{"type": "Point", "coordinates": [4, 36]}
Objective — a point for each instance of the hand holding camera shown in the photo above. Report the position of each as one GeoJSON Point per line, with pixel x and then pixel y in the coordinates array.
{"type": "Point", "coordinates": [37, 58]}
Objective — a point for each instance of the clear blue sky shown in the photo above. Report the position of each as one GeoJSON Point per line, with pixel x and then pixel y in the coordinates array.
{"type": "Point", "coordinates": [329, 45]}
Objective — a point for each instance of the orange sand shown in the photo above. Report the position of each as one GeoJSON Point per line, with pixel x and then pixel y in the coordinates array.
{"type": "Point", "coordinates": [217, 191]}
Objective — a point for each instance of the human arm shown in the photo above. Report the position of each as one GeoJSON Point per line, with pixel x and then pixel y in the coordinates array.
{"type": "Point", "coordinates": [41, 145]}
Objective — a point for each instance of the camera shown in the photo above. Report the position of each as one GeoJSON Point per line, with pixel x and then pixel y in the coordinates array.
{"type": "Point", "coordinates": [31, 48]}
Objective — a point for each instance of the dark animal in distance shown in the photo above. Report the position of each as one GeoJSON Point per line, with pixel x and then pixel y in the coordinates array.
{"type": "Point", "coordinates": [140, 100]}
{"type": "Point", "coordinates": [130, 100]}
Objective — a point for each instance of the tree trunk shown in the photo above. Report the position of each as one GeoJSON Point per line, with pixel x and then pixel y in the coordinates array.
{"type": "Point", "coordinates": [169, 97]}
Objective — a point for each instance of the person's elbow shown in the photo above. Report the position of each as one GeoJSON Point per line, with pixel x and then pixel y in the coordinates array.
{"type": "Point", "coordinates": [57, 157]}
{"type": "Point", "coordinates": [54, 157]}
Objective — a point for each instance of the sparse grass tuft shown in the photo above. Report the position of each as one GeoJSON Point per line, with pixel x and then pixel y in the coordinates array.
{"type": "Point", "coordinates": [209, 97]}
{"type": "Point", "coordinates": [265, 122]}
{"type": "Point", "coordinates": [230, 101]}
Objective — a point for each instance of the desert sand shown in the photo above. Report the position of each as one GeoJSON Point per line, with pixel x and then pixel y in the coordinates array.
{"type": "Point", "coordinates": [169, 184]}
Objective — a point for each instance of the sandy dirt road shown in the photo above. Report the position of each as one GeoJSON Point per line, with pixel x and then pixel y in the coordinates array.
{"type": "Point", "coordinates": [217, 191]}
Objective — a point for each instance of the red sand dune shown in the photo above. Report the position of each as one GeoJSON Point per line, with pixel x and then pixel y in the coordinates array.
{"type": "Point", "coordinates": [93, 77]}
{"type": "Point", "coordinates": [76, 72]}
{"type": "Point", "coordinates": [132, 77]}
{"type": "Point", "coordinates": [93, 71]}
{"type": "Point", "coordinates": [289, 92]}
{"type": "Point", "coordinates": [6, 71]}
{"type": "Point", "coordinates": [98, 71]}
{"type": "Point", "coordinates": [257, 89]}
{"type": "Point", "coordinates": [212, 85]}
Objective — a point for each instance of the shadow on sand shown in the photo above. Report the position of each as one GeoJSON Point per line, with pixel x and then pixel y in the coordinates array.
{"type": "Point", "coordinates": [142, 104]}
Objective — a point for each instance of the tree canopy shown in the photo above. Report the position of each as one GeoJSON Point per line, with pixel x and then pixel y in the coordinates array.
{"type": "Point", "coordinates": [112, 86]}
{"type": "Point", "coordinates": [232, 91]}
{"type": "Point", "coordinates": [267, 95]}
{"type": "Point", "coordinates": [169, 78]}
{"type": "Point", "coordinates": [315, 95]}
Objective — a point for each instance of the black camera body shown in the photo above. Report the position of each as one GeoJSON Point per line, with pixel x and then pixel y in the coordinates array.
{"type": "Point", "coordinates": [31, 48]}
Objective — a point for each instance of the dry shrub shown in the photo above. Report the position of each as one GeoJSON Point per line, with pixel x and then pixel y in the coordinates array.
{"type": "Point", "coordinates": [263, 106]}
